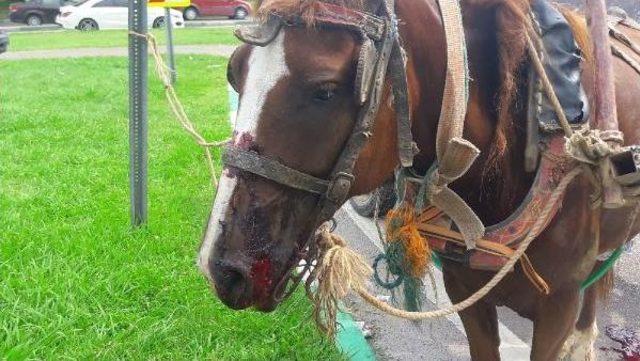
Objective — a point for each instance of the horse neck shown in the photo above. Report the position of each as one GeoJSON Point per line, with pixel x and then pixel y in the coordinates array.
{"type": "Point", "coordinates": [492, 196]}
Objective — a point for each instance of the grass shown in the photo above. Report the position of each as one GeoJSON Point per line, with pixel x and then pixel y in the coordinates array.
{"type": "Point", "coordinates": [68, 39]}
{"type": "Point", "coordinates": [76, 281]}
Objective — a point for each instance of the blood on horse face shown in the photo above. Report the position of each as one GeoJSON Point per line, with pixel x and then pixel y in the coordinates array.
{"type": "Point", "coordinates": [297, 105]}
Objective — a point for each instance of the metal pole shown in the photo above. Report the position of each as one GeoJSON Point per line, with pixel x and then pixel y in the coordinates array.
{"type": "Point", "coordinates": [138, 68]}
{"type": "Point", "coordinates": [170, 54]}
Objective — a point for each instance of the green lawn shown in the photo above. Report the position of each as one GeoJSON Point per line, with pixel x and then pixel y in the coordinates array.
{"type": "Point", "coordinates": [111, 38]}
{"type": "Point", "coordinates": [75, 281]}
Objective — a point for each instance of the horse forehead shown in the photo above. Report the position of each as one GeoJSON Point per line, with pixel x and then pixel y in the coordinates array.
{"type": "Point", "coordinates": [312, 50]}
{"type": "Point", "coordinates": [267, 66]}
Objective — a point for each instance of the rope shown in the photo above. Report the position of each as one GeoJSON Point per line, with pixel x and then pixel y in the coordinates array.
{"type": "Point", "coordinates": [164, 73]}
{"type": "Point", "coordinates": [343, 266]}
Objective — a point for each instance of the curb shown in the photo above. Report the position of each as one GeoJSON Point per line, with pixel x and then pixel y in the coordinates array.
{"type": "Point", "coordinates": [351, 340]}
{"type": "Point", "coordinates": [28, 29]}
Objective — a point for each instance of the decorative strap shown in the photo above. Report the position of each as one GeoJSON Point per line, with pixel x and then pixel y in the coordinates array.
{"type": "Point", "coordinates": [273, 170]}
{"type": "Point", "coordinates": [489, 247]}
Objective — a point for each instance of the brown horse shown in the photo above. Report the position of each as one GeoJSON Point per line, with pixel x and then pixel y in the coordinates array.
{"type": "Point", "coordinates": [298, 106]}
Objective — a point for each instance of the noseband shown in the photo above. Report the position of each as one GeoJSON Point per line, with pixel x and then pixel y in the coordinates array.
{"type": "Point", "coordinates": [381, 53]}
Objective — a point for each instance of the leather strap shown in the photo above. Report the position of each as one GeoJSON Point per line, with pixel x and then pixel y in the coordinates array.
{"type": "Point", "coordinates": [407, 148]}
{"type": "Point", "coordinates": [489, 247]}
{"type": "Point", "coordinates": [273, 170]}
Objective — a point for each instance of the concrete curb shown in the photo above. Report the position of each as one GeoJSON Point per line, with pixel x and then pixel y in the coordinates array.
{"type": "Point", "coordinates": [351, 341]}
{"type": "Point", "coordinates": [26, 29]}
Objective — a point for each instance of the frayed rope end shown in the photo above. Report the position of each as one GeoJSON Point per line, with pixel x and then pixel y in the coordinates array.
{"type": "Point", "coordinates": [340, 271]}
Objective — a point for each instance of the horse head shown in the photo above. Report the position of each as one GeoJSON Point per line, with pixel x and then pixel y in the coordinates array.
{"type": "Point", "coordinates": [300, 98]}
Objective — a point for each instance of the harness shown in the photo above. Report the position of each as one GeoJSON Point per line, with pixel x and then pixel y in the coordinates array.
{"type": "Point", "coordinates": [381, 53]}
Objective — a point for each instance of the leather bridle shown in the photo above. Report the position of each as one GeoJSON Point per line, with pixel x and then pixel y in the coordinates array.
{"type": "Point", "coordinates": [381, 53]}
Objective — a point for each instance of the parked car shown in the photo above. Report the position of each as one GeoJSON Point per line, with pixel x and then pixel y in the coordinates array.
{"type": "Point", "coordinates": [4, 42]}
{"type": "Point", "coordinates": [234, 9]}
{"type": "Point", "coordinates": [109, 14]}
{"type": "Point", "coordinates": [35, 12]}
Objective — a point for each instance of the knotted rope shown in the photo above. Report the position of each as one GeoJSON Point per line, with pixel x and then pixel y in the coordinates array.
{"type": "Point", "coordinates": [164, 74]}
{"type": "Point", "coordinates": [341, 269]}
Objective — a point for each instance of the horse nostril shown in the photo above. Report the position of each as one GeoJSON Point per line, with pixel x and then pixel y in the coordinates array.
{"type": "Point", "coordinates": [231, 284]}
{"type": "Point", "coordinates": [232, 278]}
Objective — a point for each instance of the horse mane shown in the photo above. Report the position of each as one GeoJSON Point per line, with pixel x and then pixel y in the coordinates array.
{"type": "Point", "coordinates": [303, 8]}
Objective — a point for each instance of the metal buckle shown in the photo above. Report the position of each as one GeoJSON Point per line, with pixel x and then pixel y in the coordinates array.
{"type": "Point", "coordinates": [339, 187]}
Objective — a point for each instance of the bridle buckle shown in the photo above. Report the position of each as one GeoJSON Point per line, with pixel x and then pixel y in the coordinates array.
{"type": "Point", "coordinates": [339, 187]}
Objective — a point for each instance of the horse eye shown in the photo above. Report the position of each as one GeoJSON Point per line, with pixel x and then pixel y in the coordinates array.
{"type": "Point", "coordinates": [324, 94]}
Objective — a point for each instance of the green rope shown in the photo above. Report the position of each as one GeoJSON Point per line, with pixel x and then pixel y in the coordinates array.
{"type": "Point", "coordinates": [602, 271]}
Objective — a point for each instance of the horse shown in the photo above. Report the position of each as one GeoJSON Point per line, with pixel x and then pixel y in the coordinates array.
{"type": "Point", "coordinates": [298, 105]}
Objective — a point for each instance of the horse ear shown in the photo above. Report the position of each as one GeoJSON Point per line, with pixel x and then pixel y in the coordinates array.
{"type": "Point", "coordinates": [260, 35]}
{"type": "Point", "coordinates": [231, 77]}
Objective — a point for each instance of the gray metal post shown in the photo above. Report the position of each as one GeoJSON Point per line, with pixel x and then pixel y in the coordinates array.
{"type": "Point", "coordinates": [170, 54]}
{"type": "Point", "coordinates": [138, 68]}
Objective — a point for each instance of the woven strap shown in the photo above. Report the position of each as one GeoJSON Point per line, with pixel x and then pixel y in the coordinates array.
{"type": "Point", "coordinates": [455, 154]}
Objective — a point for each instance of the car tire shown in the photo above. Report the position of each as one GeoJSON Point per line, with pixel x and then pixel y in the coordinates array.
{"type": "Point", "coordinates": [88, 25]}
{"type": "Point", "coordinates": [240, 14]}
{"type": "Point", "coordinates": [365, 205]}
{"type": "Point", "coordinates": [190, 13]}
{"type": "Point", "coordinates": [159, 22]}
{"type": "Point", "coordinates": [33, 20]}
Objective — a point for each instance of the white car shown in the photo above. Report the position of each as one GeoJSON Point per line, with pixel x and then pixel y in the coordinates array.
{"type": "Point", "coordinates": [109, 14]}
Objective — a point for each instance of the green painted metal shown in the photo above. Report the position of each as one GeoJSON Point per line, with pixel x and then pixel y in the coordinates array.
{"type": "Point", "coordinates": [138, 112]}
{"type": "Point", "coordinates": [351, 341]}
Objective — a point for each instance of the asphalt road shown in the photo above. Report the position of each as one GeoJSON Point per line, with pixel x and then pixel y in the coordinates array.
{"type": "Point", "coordinates": [444, 339]}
